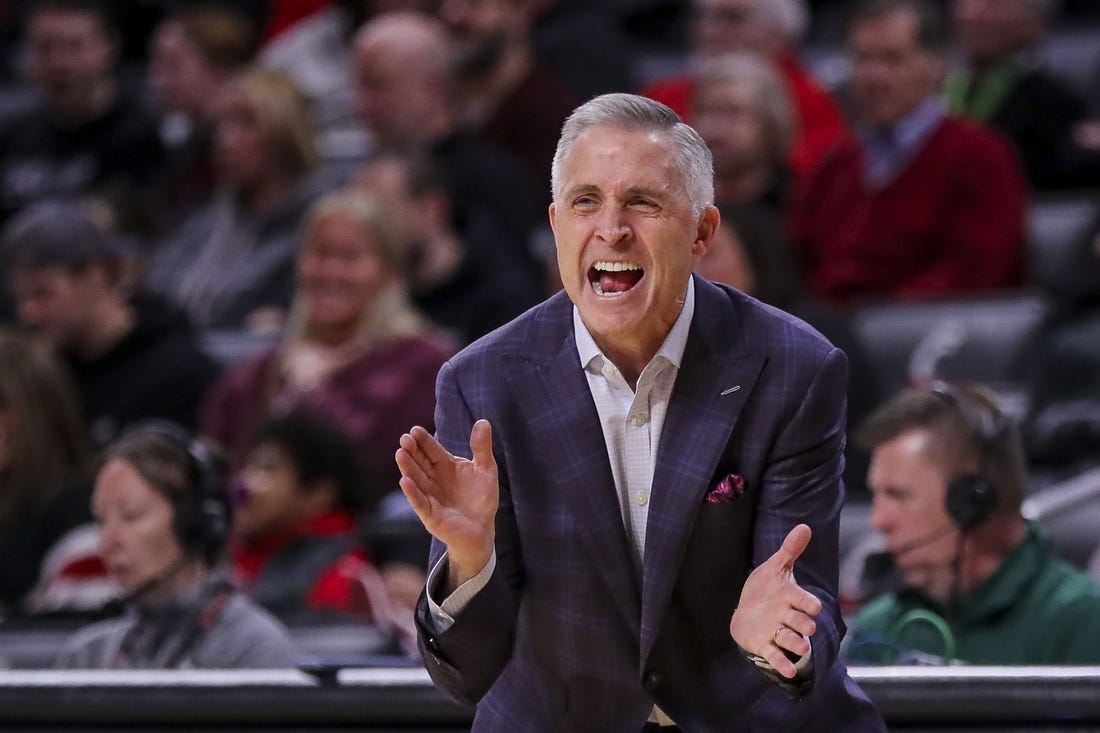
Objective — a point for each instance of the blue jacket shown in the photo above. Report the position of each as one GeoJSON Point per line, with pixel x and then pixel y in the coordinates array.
{"type": "Point", "coordinates": [565, 636]}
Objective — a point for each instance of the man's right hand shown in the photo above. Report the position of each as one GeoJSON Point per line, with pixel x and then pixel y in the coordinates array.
{"type": "Point", "coordinates": [455, 498]}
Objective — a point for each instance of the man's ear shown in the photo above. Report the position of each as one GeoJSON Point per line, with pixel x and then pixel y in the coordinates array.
{"type": "Point", "coordinates": [706, 229]}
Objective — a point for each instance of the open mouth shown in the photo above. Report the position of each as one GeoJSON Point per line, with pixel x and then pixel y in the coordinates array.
{"type": "Point", "coordinates": [613, 279]}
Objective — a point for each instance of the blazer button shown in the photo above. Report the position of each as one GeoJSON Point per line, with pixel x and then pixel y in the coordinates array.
{"type": "Point", "coordinates": [652, 681]}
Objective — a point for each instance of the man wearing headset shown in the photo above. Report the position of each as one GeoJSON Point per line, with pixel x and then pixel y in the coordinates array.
{"type": "Point", "coordinates": [980, 583]}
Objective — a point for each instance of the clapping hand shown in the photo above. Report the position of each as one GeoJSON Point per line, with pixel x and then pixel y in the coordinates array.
{"type": "Point", "coordinates": [455, 498]}
{"type": "Point", "coordinates": [775, 613]}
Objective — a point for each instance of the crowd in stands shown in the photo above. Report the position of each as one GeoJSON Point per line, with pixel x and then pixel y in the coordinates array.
{"type": "Point", "coordinates": [348, 193]}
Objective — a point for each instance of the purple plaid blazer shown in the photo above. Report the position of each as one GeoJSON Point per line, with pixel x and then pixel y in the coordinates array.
{"type": "Point", "coordinates": [566, 637]}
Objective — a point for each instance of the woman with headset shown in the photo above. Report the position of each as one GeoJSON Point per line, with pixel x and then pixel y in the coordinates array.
{"type": "Point", "coordinates": [163, 517]}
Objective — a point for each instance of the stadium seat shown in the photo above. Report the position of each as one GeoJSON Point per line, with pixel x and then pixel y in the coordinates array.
{"type": "Point", "coordinates": [984, 339]}
{"type": "Point", "coordinates": [1057, 226]}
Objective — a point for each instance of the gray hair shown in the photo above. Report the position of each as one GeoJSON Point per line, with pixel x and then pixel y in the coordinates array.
{"type": "Point", "coordinates": [769, 93]}
{"type": "Point", "coordinates": [634, 113]}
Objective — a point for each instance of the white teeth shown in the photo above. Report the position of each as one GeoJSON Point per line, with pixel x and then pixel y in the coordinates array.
{"type": "Point", "coordinates": [599, 291]}
{"type": "Point", "coordinates": [608, 266]}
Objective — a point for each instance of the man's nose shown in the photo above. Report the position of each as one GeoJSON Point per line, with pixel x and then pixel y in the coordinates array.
{"type": "Point", "coordinates": [879, 519]}
{"type": "Point", "coordinates": [613, 229]}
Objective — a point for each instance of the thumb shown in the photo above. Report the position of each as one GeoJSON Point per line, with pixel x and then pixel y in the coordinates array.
{"type": "Point", "coordinates": [796, 542]}
{"type": "Point", "coordinates": [481, 443]}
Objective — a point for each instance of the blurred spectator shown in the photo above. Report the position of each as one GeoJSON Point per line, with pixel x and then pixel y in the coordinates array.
{"type": "Point", "coordinates": [507, 96]}
{"type": "Point", "coordinates": [231, 265]}
{"type": "Point", "coordinates": [88, 136]}
{"type": "Point", "coordinates": [980, 584]}
{"type": "Point", "coordinates": [297, 551]}
{"type": "Point", "coordinates": [732, 261]}
{"type": "Point", "coordinates": [192, 53]}
{"type": "Point", "coordinates": [924, 203]}
{"type": "Point", "coordinates": [355, 351]}
{"type": "Point", "coordinates": [132, 355]}
{"type": "Point", "coordinates": [163, 516]}
{"type": "Point", "coordinates": [585, 46]}
{"type": "Point", "coordinates": [452, 283]}
{"type": "Point", "coordinates": [45, 469]}
{"type": "Point", "coordinates": [311, 41]}
{"type": "Point", "coordinates": [772, 29]}
{"type": "Point", "coordinates": [742, 111]}
{"type": "Point", "coordinates": [1003, 83]}
{"type": "Point", "coordinates": [407, 95]}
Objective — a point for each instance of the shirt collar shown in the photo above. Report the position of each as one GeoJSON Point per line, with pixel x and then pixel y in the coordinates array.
{"type": "Point", "coordinates": [888, 151]}
{"type": "Point", "coordinates": [672, 349]}
{"type": "Point", "coordinates": [1002, 589]}
{"type": "Point", "coordinates": [1006, 585]}
{"type": "Point", "coordinates": [910, 130]}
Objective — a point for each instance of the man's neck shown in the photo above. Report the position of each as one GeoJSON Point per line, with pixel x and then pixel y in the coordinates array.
{"type": "Point", "coordinates": [439, 258]}
{"type": "Point", "coordinates": [98, 100]}
{"type": "Point", "coordinates": [630, 361]}
{"type": "Point", "coordinates": [985, 551]}
{"type": "Point", "coordinates": [112, 321]}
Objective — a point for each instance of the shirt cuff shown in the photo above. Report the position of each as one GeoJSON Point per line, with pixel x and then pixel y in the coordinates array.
{"type": "Point", "coordinates": [443, 614]}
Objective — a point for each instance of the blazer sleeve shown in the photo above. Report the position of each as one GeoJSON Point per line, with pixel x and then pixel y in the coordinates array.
{"type": "Point", "coordinates": [802, 483]}
{"type": "Point", "coordinates": [466, 659]}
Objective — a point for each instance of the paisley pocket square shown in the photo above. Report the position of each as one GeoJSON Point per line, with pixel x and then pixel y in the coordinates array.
{"type": "Point", "coordinates": [727, 490]}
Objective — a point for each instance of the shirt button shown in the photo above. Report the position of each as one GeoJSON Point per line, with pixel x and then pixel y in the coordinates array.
{"type": "Point", "coordinates": [642, 500]}
{"type": "Point", "coordinates": [639, 420]}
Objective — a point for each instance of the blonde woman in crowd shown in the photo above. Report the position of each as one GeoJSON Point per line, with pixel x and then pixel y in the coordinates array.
{"type": "Point", "coordinates": [231, 265]}
{"type": "Point", "coordinates": [355, 349]}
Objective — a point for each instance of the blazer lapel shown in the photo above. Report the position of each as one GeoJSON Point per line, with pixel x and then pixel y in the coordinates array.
{"type": "Point", "coordinates": [717, 374]}
{"type": "Point", "coordinates": [582, 469]}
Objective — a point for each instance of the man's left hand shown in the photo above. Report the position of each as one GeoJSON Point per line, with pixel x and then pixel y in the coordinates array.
{"type": "Point", "coordinates": [774, 612]}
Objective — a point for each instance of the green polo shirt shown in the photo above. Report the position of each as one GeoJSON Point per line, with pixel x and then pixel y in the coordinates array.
{"type": "Point", "coordinates": [1035, 609]}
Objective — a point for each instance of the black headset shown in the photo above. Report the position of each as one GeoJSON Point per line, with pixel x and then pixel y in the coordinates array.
{"type": "Point", "coordinates": [972, 497]}
{"type": "Point", "coordinates": [202, 513]}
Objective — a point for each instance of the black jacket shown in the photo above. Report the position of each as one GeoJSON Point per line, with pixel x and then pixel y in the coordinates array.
{"type": "Point", "coordinates": [157, 370]}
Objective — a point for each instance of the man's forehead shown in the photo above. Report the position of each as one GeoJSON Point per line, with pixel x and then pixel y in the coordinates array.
{"type": "Point", "coordinates": [622, 143]}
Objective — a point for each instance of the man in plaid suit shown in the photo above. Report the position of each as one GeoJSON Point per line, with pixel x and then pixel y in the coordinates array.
{"type": "Point", "coordinates": [634, 487]}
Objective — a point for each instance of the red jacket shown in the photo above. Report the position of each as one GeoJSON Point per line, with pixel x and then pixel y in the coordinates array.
{"type": "Point", "coordinates": [325, 549]}
{"type": "Point", "coordinates": [951, 221]}
{"type": "Point", "coordinates": [819, 125]}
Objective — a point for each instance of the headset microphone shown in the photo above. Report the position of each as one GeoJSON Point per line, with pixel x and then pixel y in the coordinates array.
{"type": "Point", "coordinates": [880, 571]}
{"type": "Point", "coordinates": [923, 540]}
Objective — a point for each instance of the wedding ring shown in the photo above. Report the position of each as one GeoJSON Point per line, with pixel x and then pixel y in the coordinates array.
{"type": "Point", "coordinates": [775, 636]}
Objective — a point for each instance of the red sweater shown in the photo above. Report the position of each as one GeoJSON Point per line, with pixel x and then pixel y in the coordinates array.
{"type": "Point", "coordinates": [336, 587]}
{"type": "Point", "coordinates": [951, 221]}
{"type": "Point", "coordinates": [819, 125]}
